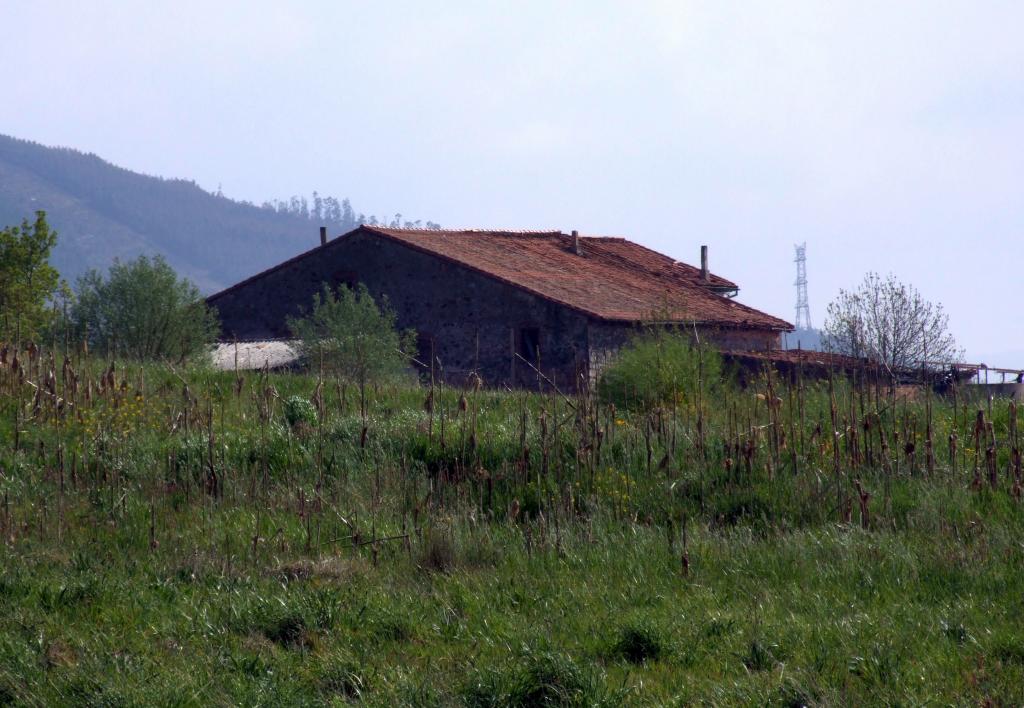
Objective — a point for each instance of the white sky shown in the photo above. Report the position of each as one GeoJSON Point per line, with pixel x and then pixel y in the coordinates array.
{"type": "Point", "coordinates": [888, 135]}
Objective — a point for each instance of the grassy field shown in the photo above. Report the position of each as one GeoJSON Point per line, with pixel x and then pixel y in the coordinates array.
{"type": "Point", "coordinates": [185, 537]}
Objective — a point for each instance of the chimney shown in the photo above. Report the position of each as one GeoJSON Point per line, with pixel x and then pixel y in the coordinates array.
{"type": "Point", "coordinates": [323, 235]}
{"type": "Point", "coordinates": [576, 243]}
{"type": "Point", "coordinates": [704, 274]}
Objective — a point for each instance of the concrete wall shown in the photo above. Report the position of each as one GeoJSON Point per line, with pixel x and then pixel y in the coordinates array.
{"type": "Point", "coordinates": [474, 321]}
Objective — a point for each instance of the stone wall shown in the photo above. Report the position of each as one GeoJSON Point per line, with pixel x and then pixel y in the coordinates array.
{"type": "Point", "coordinates": [470, 321]}
{"type": "Point", "coordinates": [741, 339]}
{"type": "Point", "coordinates": [474, 322]}
{"type": "Point", "coordinates": [607, 338]}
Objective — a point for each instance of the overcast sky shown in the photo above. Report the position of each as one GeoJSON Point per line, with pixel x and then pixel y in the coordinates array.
{"type": "Point", "coordinates": [887, 135]}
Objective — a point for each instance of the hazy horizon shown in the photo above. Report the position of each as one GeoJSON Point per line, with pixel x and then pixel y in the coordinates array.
{"type": "Point", "coordinates": [887, 138]}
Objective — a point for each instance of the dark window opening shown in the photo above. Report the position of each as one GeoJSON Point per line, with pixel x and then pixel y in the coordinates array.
{"type": "Point", "coordinates": [529, 344]}
{"type": "Point", "coordinates": [348, 278]}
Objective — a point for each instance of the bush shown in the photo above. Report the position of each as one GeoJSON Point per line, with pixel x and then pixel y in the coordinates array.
{"type": "Point", "coordinates": [638, 643]}
{"type": "Point", "coordinates": [438, 552]}
{"type": "Point", "coordinates": [143, 310]}
{"type": "Point", "coordinates": [542, 679]}
{"type": "Point", "coordinates": [349, 335]}
{"type": "Point", "coordinates": [189, 455]}
{"type": "Point", "coordinates": [1008, 650]}
{"type": "Point", "coordinates": [344, 679]}
{"type": "Point", "coordinates": [299, 410]}
{"type": "Point", "coordinates": [288, 629]}
{"type": "Point", "coordinates": [760, 656]}
{"type": "Point", "coordinates": [551, 680]}
{"type": "Point", "coordinates": [659, 368]}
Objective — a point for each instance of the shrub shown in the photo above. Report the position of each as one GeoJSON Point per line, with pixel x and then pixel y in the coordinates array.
{"type": "Point", "coordinates": [288, 629]}
{"type": "Point", "coordinates": [659, 368]}
{"type": "Point", "coordinates": [143, 310]}
{"type": "Point", "coordinates": [760, 656]}
{"type": "Point", "coordinates": [541, 679]}
{"type": "Point", "coordinates": [299, 410]}
{"type": "Point", "coordinates": [793, 694]}
{"type": "Point", "coordinates": [484, 690]}
{"type": "Point", "coordinates": [1008, 650]}
{"type": "Point", "coordinates": [733, 508]}
{"type": "Point", "coordinates": [189, 454]}
{"type": "Point", "coordinates": [392, 629]}
{"type": "Point", "coordinates": [352, 337]}
{"type": "Point", "coordinates": [638, 643]}
{"type": "Point", "coordinates": [551, 680]}
{"type": "Point", "coordinates": [438, 551]}
{"type": "Point", "coordinates": [343, 677]}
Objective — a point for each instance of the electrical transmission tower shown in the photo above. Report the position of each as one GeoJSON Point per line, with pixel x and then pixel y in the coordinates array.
{"type": "Point", "coordinates": [803, 310]}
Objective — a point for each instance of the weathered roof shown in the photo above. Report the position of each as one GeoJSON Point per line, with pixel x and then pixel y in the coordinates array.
{"type": "Point", "coordinates": [807, 357]}
{"type": "Point", "coordinates": [612, 278]}
{"type": "Point", "coordinates": [271, 353]}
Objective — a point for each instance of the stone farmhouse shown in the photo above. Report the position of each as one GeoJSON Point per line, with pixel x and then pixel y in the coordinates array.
{"type": "Point", "coordinates": [518, 308]}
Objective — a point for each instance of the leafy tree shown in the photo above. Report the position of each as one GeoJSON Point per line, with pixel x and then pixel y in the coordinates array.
{"type": "Point", "coordinates": [141, 309]}
{"type": "Point", "coordinates": [889, 322]}
{"type": "Point", "coordinates": [659, 367]}
{"type": "Point", "coordinates": [27, 280]}
{"type": "Point", "coordinates": [353, 338]}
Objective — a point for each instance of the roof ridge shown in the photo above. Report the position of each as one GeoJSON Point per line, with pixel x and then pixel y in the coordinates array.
{"type": "Point", "coordinates": [542, 232]}
{"type": "Point", "coordinates": [500, 232]}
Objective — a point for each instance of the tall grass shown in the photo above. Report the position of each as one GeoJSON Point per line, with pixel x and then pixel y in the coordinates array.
{"type": "Point", "coordinates": [191, 536]}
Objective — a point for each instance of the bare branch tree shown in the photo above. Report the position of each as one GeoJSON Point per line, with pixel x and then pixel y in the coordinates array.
{"type": "Point", "coordinates": [890, 322]}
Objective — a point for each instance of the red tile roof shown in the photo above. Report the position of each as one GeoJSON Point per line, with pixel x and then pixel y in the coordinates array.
{"type": "Point", "coordinates": [612, 278]}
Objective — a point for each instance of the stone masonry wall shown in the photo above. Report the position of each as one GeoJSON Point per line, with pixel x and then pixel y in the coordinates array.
{"type": "Point", "coordinates": [474, 321]}
{"type": "Point", "coordinates": [607, 338]}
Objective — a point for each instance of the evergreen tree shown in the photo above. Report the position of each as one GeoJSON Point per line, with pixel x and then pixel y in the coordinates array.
{"type": "Point", "coordinates": [348, 217]}
{"type": "Point", "coordinates": [318, 207]}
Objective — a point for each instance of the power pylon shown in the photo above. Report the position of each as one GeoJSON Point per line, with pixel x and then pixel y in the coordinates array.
{"type": "Point", "coordinates": [803, 310]}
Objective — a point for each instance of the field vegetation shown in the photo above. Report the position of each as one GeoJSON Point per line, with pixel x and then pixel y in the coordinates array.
{"type": "Point", "coordinates": [177, 536]}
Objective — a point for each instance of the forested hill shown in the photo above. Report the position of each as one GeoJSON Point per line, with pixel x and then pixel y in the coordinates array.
{"type": "Point", "coordinates": [102, 212]}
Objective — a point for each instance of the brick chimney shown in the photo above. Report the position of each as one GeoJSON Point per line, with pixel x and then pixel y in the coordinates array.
{"type": "Point", "coordinates": [576, 243]}
{"type": "Point", "coordinates": [323, 235]}
{"type": "Point", "coordinates": [705, 274]}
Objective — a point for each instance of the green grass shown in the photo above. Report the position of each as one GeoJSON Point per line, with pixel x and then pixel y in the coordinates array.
{"type": "Point", "coordinates": [529, 561]}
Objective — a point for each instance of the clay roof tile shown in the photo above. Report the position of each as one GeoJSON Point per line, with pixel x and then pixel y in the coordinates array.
{"type": "Point", "coordinates": [612, 278]}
